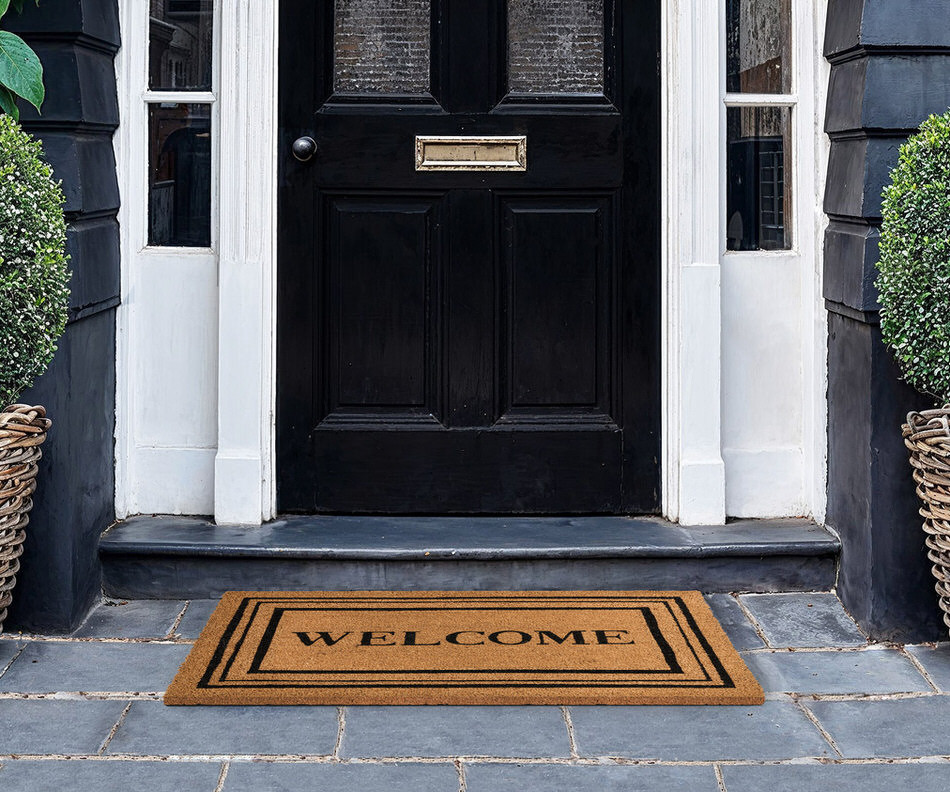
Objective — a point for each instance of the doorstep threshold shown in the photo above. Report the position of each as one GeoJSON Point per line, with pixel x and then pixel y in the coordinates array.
{"type": "Point", "coordinates": [354, 538]}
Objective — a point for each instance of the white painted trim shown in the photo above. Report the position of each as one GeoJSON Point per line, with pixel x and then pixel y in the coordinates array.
{"type": "Point", "coordinates": [244, 486]}
{"type": "Point", "coordinates": [179, 97]}
{"type": "Point", "coordinates": [815, 74]}
{"type": "Point", "coordinates": [760, 100]}
{"type": "Point", "coordinates": [693, 118]}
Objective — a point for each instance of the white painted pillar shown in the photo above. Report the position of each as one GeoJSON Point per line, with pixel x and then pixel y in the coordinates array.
{"type": "Point", "coordinates": [243, 486]}
{"type": "Point", "coordinates": [694, 474]}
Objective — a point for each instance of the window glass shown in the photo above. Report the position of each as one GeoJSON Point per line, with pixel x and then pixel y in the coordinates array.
{"type": "Point", "coordinates": [758, 194]}
{"type": "Point", "coordinates": [556, 46]}
{"type": "Point", "coordinates": [179, 175]}
{"type": "Point", "coordinates": [180, 45]}
{"type": "Point", "coordinates": [381, 46]}
{"type": "Point", "coordinates": [758, 46]}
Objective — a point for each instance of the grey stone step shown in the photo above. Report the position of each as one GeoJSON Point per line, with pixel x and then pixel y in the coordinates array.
{"type": "Point", "coordinates": [181, 557]}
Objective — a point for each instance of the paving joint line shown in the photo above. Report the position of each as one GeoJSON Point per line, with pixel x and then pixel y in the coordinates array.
{"type": "Point", "coordinates": [115, 728]}
{"type": "Point", "coordinates": [69, 639]}
{"type": "Point", "coordinates": [569, 723]}
{"type": "Point", "coordinates": [82, 695]}
{"type": "Point", "coordinates": [719, 779]}
{"type": "Point", "coordinates": [460, 768]}
{"type": "Point", "coordinates": [225, 766]}
{"type": "Point", "coordinates": [871, 647]}
{"type": "Point", "coordinates": [341, 728]}
{"type": "Point", "coordinates": [755, 622]}
{"type": "Point", "coordinates": [170, 635]}
{"type": "Point", "coordinates": [12, 660]}
{"type": "Point", "coordinates": [916, 663]}
{"type": "Point", "coordinates": [817, 724]}
{"type": "Point", "coordinates": [869, 696]}
{"type": "Point", "coordinates": [468, 760]}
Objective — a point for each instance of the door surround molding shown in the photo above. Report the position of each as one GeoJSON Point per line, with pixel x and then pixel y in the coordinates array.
{"type": "Point", "coordinates": [692, 124]}
{"type": "Point", "coordinates": [693, 473]}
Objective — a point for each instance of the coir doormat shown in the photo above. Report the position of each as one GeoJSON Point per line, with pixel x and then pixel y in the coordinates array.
{"type": "Point", "coordinates": [395, 647]}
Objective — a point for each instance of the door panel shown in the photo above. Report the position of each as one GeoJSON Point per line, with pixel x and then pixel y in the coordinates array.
{"type": "Point", "coordinates": [383, 333]}
{"type": "Point", "coordinates": [556, 306]}
{"type": "Point", "coordinates": [469, 341]}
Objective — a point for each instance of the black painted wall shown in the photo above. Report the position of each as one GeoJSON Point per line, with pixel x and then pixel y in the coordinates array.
{"type": "Point", "coordinates": [890, 69]}
{"type": "Point", "coordinates": [60, 576]}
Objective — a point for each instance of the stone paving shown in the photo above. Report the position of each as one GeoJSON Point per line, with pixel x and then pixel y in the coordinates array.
{"type": "Point", "coordinates": [84, 713]}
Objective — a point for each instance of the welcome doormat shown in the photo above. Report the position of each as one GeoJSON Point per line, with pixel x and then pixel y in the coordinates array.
{"type": "Point", "coordinates": [437, 647]}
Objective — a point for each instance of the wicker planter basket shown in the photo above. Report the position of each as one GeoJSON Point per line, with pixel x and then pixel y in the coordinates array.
{"type": "Point", "coordinates": [22, 430]}
{"type": "Point", "coordinates": [927, 437]}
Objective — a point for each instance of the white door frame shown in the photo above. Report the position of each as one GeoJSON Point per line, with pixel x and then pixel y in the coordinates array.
{"type": "Point", "coordinates": [244, 481]}
{"type": "Point", "coordinates": [693, 474]}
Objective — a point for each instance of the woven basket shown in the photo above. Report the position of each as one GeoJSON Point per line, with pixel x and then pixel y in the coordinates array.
{"type": "Point", "coordinates": [22, 430]}
{"type": "Point", "coordinates": [927, 437]}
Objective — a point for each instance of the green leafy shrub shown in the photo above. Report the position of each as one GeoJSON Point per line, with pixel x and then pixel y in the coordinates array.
{"type": "Point", "coordinates": [34, 278]}
{"type": "Point", "coordinates": [914, 266]}
{"type": "Point", "coordinates": [21, 73]}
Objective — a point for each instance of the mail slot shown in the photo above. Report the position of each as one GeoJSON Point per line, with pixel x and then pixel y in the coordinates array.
{"type": "Point", "coordinates": [467, 153]}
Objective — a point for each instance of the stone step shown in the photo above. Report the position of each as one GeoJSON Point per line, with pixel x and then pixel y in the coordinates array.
{"type": "Point", "coordinates": [190, 558]}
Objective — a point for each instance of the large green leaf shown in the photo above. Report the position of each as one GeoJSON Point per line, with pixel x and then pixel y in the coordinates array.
{"type": "Point", "coordinates": [8, 103]}
{"type": "Point", "coordinates": [20, 69]}
{"type": "Point", "coordinates": [4, 5]}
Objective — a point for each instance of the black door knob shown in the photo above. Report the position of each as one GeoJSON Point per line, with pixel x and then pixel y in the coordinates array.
{"type": "Point", "coordinates": [304, 148]}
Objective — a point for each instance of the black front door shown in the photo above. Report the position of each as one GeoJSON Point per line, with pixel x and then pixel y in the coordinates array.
{"type": "Point", "coordinates": [468, 278]}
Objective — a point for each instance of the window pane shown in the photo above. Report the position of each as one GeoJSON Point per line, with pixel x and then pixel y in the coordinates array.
{"type": "Point", "coordinates": [758, 196]}
{"type": "Point", "coordinates": [556, 46]}
{"type": "Point", "coordinates": [179, 175]}
{"type": "Point", "coordinates": [180, 45]}
{"type": "Point", "coordinates": [381, 46]}
{"type": "Point", "coordinates": [758, 46]}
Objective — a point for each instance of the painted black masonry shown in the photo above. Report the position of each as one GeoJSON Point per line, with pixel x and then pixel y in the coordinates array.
{"type": "Point", "coordinates": [890, 68]}
{"type": "Point", "coordinates": [61, 576]}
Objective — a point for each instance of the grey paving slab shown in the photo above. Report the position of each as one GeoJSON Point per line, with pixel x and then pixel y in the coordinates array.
{"type": "Point", "coordinates": [520, 732]}
{"type": "Point", "coordinates": [734, 621]}
{"type": "Point", "coordinates": [152, 729]}
{"type": "Point", "coordinates": [55, 727]}
{"type": "Point", "coordinates": [775, 730]}
{"type": "Point", "coordinates": [889, 728]}
{"type": "Point", "coordinates": [96, 776]}
{"type": "Point", "coordinates": [49, 667]}
{"type": "Point", "coordinates": [803, 620]}
{"type": "Point", "coordinates": [266, 777]}
{"type": "Point", "coordinates": [131, 619]}
{"type": "Point", "coordinates": [562, 778]}
{"type": "Point", "coordinates": [930, 777]}
{"type": "Point", "coordinates": [936, 661]}
{"type": "Point", "coordinates": [871, 671]}
{"type": "Point", "coordinates": [196, 617]}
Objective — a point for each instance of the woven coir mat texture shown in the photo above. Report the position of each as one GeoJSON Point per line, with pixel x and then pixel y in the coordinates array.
{"type": "Point", "coordinates": [463, 647]}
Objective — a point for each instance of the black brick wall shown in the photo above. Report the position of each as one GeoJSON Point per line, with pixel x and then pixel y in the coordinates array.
{"type": "Point", "coordinates": [60, 577]}
{"type": "Point", "coordinates": [890, 69]}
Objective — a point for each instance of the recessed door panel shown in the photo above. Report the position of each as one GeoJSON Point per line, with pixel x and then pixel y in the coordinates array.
{"type": "Point", "coordinates": [383, 264]}
{"type": "Point", "coordinates": [557, 311]}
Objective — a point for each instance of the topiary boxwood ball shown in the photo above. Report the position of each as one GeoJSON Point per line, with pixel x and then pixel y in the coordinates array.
{"type": "Point", "coordinates": [34, 278]}
{"type": "Point", "coordinates": [914, 277]}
